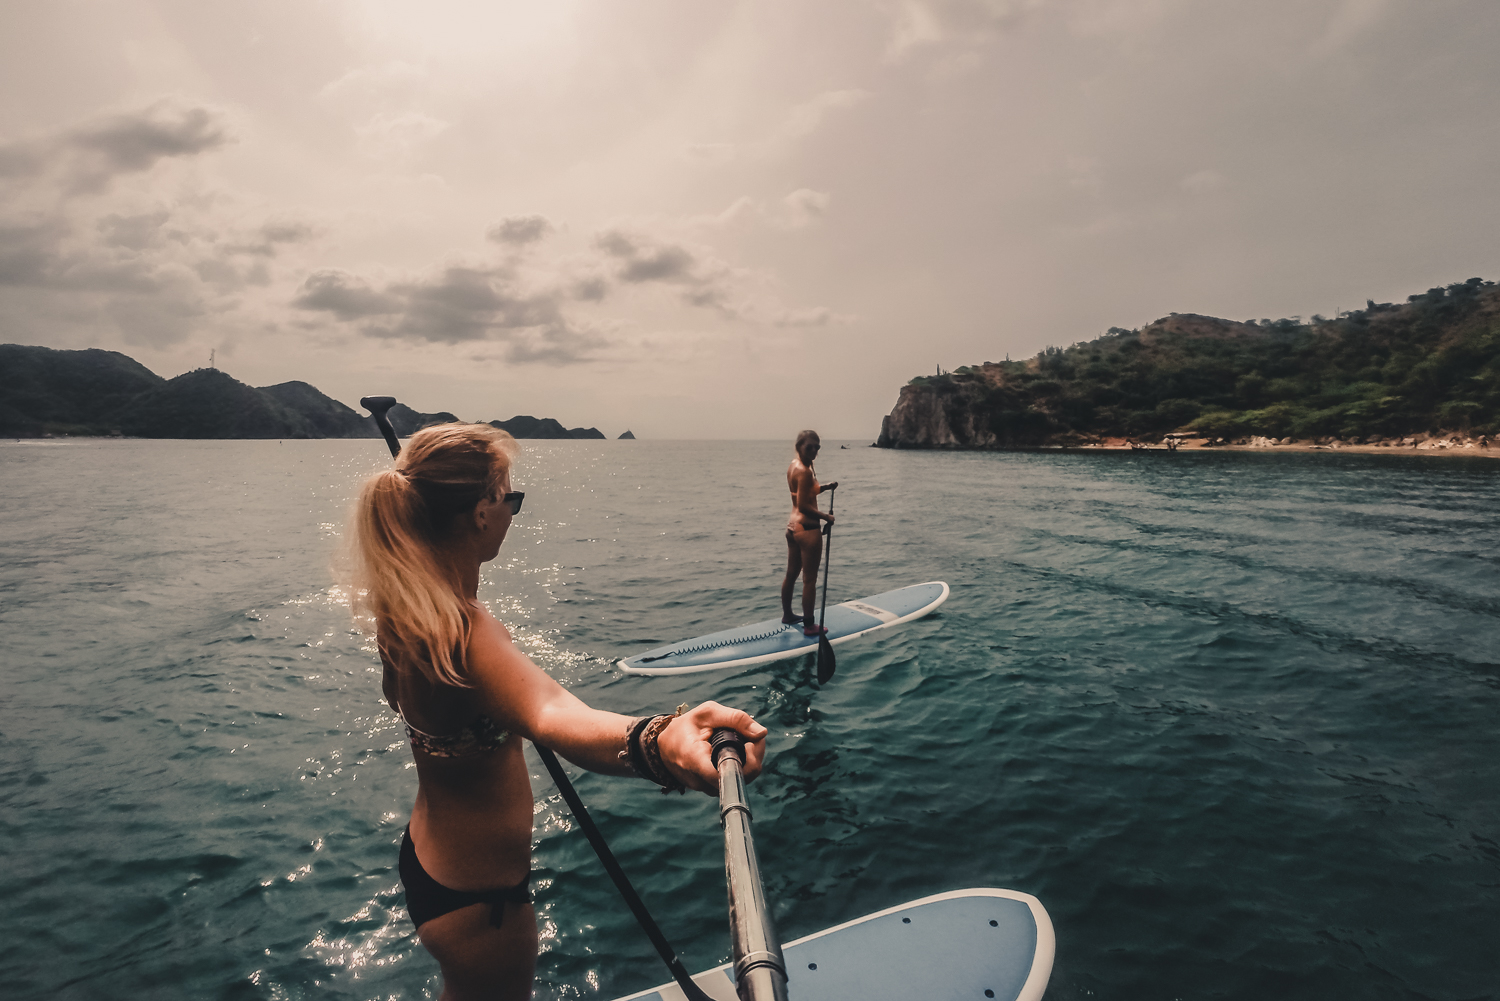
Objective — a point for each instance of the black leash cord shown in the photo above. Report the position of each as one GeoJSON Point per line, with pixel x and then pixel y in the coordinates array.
{"type": "Point", "coordinates": [622, 882]}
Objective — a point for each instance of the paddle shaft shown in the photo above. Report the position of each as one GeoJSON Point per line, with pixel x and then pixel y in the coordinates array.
{"type": "Point", "coordinates": [827, 555]}
{"type": "Point", "coordinates": [759, 969]}
{"type": "Point", "coordinates": [826, 662]}
{"type": "Point", "coordinates": [378, 405]}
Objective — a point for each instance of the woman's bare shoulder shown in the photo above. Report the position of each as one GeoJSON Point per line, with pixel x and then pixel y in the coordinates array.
{"type": "Point", "coordinates": [485, 629]}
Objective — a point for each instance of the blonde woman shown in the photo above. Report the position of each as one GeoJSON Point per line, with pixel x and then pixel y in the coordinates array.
{"type": "Point", "coordinates": [467, 696]}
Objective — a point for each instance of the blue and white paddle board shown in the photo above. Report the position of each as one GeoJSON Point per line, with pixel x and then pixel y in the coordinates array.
{"type": "Point", "coordinates": [761, 642]}
{"type": "Point", "coordinates": [965, 945]}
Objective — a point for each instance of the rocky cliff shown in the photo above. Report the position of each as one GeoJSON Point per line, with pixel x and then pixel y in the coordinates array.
{"type": "Point", "coordinates": [937, 413]}
{"type": "Point", "coordinates": [1426, 366]}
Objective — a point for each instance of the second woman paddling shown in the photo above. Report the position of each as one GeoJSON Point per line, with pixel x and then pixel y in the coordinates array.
{"type": "Point", "coordinates": [467, 694]}
{"type": "Point", "coordinates": [804, 537]}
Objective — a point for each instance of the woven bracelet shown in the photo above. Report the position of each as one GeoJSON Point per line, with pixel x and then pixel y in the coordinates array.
{"type": "Point", "coordinates": [632, 754]}
{"type": "Point", "coordinates": [652, 751]}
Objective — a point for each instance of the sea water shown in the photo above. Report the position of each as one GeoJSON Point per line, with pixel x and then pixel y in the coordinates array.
{"type": "Point", "coordinates": [1231, 717]}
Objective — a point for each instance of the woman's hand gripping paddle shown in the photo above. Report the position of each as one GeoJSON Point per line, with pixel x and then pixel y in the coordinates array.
{"type": "Point", "coordinates": [826, 663]}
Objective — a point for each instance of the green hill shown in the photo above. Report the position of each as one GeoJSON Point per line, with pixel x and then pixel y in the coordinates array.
{"type": "Point", "coordinates": [525, 426]}
{"type": "Point", "coordinates": [327, 417]}
{"type": "Point", "coordinates": [1429, 364]}
{"type": "Point", "coordinates": [94, 392]}
{"type": "Point", "coordinates": [207, 403]}
{"type": "Point", "coordinates": [76, 392]}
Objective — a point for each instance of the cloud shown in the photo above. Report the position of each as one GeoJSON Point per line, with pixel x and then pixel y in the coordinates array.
{"type": "Point", "coordinates": [346, 296]}
{"type": "Point", "coordinates": [461, 304]}
{"type": "Point", "coordinates": [131, 142]}
{"type": "Point", "coordinates": [915, 23]}
{"type": "Point", "coordinates": [520, 230]}
{"type": "Point", "coordinates": [133, 232]}
{"type": "Point", "coordinates": [803, 207]}
{"type": "Point", "coordinates": [29, 251]}
{"type": "Point", "coordinates": [166, 318]}
{"type": "Point", "coordinates": [797, 210]}
{"type": "Point", "coordinates": [642, 260]}
{"type": "Point", "coordinates": [400, 135]}
{"type": "Point", "coordinates": [85, 159]}
{"type": "Point", "coordinates": [385, 81]}
{"type": "Point", "coordinates": [807, 117]}
{"type": "Point", "coordinates": [816, 316]}
{"type": "Point", "coordinates": [638, 259]}
{"type": "Point", "coordinates": [287, 232]}
{"type": "Point", "coordinates": [592, 288]}
{"type": "Point", "coordinates": [264, 241]}
{"type": "Point", "coordinates": [456, 305]}
{"type": "Point", "coordinates": [711, 152]}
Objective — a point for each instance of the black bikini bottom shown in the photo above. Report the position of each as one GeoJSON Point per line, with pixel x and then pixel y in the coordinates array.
{"type": "Point", "coordinates": [426, 898]}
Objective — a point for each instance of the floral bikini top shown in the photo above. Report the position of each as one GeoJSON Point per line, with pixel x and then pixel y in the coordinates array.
{"type": "Point", "coordinates": [479, 737]}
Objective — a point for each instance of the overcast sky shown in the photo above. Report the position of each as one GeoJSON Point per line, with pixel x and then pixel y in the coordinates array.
{"type": "Point", "coordinates": [716, 219]}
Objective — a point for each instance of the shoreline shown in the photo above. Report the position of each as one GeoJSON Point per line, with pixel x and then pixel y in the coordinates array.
{"type": "Point", "coordinates": [1442, 445]}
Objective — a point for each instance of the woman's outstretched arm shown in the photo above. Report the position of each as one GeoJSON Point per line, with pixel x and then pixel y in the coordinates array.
{"type": "Point", "coordinates": [527, 701]}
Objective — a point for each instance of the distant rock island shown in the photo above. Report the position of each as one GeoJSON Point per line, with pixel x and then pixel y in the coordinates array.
{"type": "Point", "coordinates": [543, 427]}
{"type": "Point", "coordinates": [45, 391]}
{"type": "Point", "coordinates": [1428, 367]}
{"type": "Point", "coordinates": [627, 436]}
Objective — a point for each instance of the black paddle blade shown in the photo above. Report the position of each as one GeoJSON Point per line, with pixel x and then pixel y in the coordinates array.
{"type": "Point", "coordinates": [826, 664]}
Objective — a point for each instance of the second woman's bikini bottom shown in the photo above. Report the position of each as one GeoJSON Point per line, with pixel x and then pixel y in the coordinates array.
{"type": "Point", "coordinates": [426, 898]}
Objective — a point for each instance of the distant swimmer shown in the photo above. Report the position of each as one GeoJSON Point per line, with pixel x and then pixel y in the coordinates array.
{"type": "Point", "coordinates": [804, 539]}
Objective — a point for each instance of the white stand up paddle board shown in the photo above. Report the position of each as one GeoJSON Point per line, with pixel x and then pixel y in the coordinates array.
{"type": "Point", "coordinates": [965, 945]}
{"type": "Point", "coordinates": [761, 642]}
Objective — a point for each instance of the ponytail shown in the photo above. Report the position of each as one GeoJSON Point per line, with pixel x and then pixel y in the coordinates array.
{"type": "Point", "coordinates": [402, 517]}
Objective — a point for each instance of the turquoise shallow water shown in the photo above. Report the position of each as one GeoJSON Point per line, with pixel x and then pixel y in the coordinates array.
{"type": "Point", "coordinates": [1230, 716]}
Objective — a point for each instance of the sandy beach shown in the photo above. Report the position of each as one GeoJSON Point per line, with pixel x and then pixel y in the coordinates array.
{"type": "Point", "coordinates": [1441, 444]}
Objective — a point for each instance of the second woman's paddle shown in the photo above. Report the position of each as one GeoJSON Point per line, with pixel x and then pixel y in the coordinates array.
{"type": "Point", "coordinates": [826, 663]}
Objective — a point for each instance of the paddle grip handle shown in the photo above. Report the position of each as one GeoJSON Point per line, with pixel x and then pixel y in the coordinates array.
{"type": "Point", "coordinates": [377, 406]}
{"type": "Point", "coordinates": [724, 739]}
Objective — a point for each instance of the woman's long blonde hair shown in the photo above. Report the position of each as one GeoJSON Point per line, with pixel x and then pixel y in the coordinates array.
{"type": "Point", "coordinates": [402, 518]}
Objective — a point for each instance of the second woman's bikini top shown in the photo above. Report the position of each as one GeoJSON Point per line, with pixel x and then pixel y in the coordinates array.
{"type": "Point", "coordinates": [797, 522]}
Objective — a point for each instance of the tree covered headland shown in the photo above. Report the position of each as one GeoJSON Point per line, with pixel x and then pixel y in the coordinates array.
{"type": "Point", "coordinates": [1427, 365]}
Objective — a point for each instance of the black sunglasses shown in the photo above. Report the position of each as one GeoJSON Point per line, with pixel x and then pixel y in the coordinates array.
{"type": "Point", "coordinates": [513, 501]}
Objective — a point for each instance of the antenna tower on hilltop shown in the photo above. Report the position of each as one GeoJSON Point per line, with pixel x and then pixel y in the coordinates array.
{"type": "Point", "coordinates": [211, 358]}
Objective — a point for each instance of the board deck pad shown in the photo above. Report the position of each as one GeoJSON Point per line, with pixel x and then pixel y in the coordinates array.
{"type": "Point", "coordinates": [966, 945]}
{"type": "Point", "coordinates": [762, 642]}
